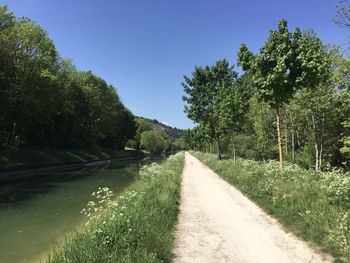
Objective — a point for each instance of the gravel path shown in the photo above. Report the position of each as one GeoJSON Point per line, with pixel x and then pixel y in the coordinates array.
{"type": "Point", "coordinates": [219, 224]}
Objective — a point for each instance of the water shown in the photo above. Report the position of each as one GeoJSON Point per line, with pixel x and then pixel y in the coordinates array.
{"type": "Point", "coordinates": [36, 212]}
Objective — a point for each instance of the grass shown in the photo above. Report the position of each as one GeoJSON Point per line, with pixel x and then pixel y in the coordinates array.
{"type": "Point", "coordinates": [137, 226]}
{"type": "Point", "coordinates": [22, 159]}
{"type": "Point", "coordinates": [315, 206]}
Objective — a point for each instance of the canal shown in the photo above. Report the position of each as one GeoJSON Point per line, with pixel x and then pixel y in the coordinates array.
{"type": "Point", "coordinates": [37, 211]}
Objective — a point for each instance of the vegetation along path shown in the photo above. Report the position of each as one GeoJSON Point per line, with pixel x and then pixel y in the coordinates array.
{"type": "Point", "coordinates": [217, 223]}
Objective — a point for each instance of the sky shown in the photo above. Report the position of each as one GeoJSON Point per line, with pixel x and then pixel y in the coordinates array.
{"type": "Point", "coordinates": [144, 47]}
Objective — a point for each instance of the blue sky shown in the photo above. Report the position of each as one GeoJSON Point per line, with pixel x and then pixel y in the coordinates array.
{"type": "Point", "coordinates": [145, 47]}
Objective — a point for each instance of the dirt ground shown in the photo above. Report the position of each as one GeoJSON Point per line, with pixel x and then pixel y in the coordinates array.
{"type": "Point", "coordinates": [219, 224]}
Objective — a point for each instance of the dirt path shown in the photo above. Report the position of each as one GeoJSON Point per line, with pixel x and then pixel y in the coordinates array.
{"type": "Point", "coordinates": [218, 224]}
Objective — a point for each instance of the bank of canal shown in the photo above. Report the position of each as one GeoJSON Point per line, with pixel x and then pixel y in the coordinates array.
{"type": "Point", "coordinates": [37, 211]}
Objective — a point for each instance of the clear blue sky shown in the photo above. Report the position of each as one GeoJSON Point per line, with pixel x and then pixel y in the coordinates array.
{"type": "Point", "coordinates": [144, 47]}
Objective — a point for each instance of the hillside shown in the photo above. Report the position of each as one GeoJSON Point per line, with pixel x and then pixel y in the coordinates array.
{"type": "Point", "coordinates": [156, 125]}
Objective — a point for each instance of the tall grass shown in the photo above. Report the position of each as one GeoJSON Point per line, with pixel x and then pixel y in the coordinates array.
{"type": "Point", "coordinates": [137, 226]}
{"type": "Point", "coordinates": [314, 205]}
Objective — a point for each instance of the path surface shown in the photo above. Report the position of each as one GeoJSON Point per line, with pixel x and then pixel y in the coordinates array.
{"type": "Point", "coordinates": [218, 224]}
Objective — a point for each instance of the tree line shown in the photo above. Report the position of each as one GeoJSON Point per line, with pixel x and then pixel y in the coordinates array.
{"type": "Point", "coordinates": [46, 102]}
{"type": "Point", "coordinates": [292, 101]}
{"type": "Point", "coordinates": [156, 137]}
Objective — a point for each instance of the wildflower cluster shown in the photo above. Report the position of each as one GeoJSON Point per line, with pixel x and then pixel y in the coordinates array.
{"type": "Point", "coordinates": [103, 199]}
{"type": "Point", "coordinates": [339, 236]}
{"type": "Point", "coordinates": [149, 172]}
{"type": "Point", "coordinates": [116, 213]}
{"type": "Point", "coordinates": [338, 191]}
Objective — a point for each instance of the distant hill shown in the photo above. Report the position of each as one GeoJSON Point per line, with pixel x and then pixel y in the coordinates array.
{"type": "Point", "coordinates": [171, 131]}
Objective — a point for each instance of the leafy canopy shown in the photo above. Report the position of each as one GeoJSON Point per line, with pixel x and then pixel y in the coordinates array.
{"type": "Point", "coordinates": [210, 96]}
{"type": "Point", "coordinates": [287, 62]}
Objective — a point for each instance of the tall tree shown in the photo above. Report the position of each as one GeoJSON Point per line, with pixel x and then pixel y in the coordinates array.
{"type": "Point", "coordinates": [341, 78]}
{"type": "Point", "coordinates": [319, 108]}
{"type": "Point", "coordinates": [260, 117]}
{"type": "Point", "coordinates": [288, 61]}
{"type": "Point", "coordinates": [31, 76]}
{"type": "Point", "coordinates": [343, 18]}
{"type": "Point", "coordinates": [233, 107]}
{"type": "Point", "coordinates": [46, 102]}
{"type": "Point", "coordinates": [206, 97]}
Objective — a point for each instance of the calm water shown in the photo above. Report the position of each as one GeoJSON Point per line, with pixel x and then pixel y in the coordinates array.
{"type": "Point", "coordinates": [36, 212]}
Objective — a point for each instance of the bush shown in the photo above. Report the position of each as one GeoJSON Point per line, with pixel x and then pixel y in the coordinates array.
{"type": "Point", "coordinates": [155, 141]}
{"type": "Point", "coordinates": [338, 191]}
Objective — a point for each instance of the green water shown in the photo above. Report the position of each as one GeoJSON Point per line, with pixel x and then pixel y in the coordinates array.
{"type": "Point", "coordinates": [36, 212]}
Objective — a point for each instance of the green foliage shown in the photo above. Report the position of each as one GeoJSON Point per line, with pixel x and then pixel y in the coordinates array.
{"type": "Point", "coordinates": [142, 126]}
{"type": "Point", "coordinates": [313, 205]}
{"type": "Point", "coordinates": [261, 118]}
{"type": "Point", "coordinates": [342, 81]}
{"type": "Point", "coordinates": [343, 13]}
{"type": "Point", "coordinates": [197, 138]}
{"type": "Point", "coordinates": [155, 142]}
{"type": "Point", "coordinates": [145, 124]}
{"type": "Point", "coordinates": [213, 100]}
{"type": "Point", "coordinates": [346, 140]}
{"type": "Point", "coordinates": [46, 102]}
{"type": "Point", "coordinates": [288, 61]}
{"type": "Point", "coordinates": [179, 144]}
{"type": "Point", "coordinates": [294, 73]}
{"type": "Point", "coordinates": [137, 226]}
{"type": "Point", "coordinates": [246, 146]}
{"type": "Point", "coordinates": [338, 191]}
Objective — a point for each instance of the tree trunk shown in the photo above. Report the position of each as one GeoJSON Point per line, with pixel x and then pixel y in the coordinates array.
{"type": "Point", "coordinates": [320, 158]}
{"type": "Point", "coordinates": [12, 135]}
{"type": "Point", "coordinates": [321, 142]}
{"type": "Point", "coordinates": [298, 138]}
{"type": "Point", "coordinates": [219, 148]}
{"type": "Point", "coordinates": [286, 137]}
{"type": "Point", "coordinates": [316, 138]}
{"type": "Point", "coordinates": [316, 157]}
{"type": "Point", "coordinates": [233, 151]}
{"type": "Point", "coordinates": [293, 145]}
{"type": "Point", "coordinates": [279, 139]}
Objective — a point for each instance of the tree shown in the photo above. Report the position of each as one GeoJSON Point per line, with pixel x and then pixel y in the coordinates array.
{"type": "Point", "coordinates": [318, 107]}
{"type": "Point", "coordinates": [197, 138]}
{"type": "Point", "coordinates": [260, 117]}
{"type": "Point", "coordinates": [46, 102]}
{"type": "Point", "coordinates": [341, 78]}
{"type": "Point", "coordinates": [234, 108]}
{"type": "Point", "coordinates": [142, 126]}
{"type": "Point", "coordinates": [343, 13]}
{"type": "Point", "coordinates": [288, 61]}
{"type": "Point", "coordinates": [179, 144]}
{"type": "Point", "coordinates": [155, 141]}
{"type": "Point", "coordinates": [343, 18]}
{"type": "Point", "coordinates": [207, 92]}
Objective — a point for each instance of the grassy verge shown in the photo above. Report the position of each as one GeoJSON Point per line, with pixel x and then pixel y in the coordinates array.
{"type": "Point", "coordinates": [138, 226]}
{"type": "Point", "coordinates": [23, 159]}
{"type": "Point", "coordinates": [316, 206]}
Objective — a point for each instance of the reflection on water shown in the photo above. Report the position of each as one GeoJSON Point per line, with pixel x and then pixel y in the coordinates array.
{"type": "Point", "coordinates": [36, 211]}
